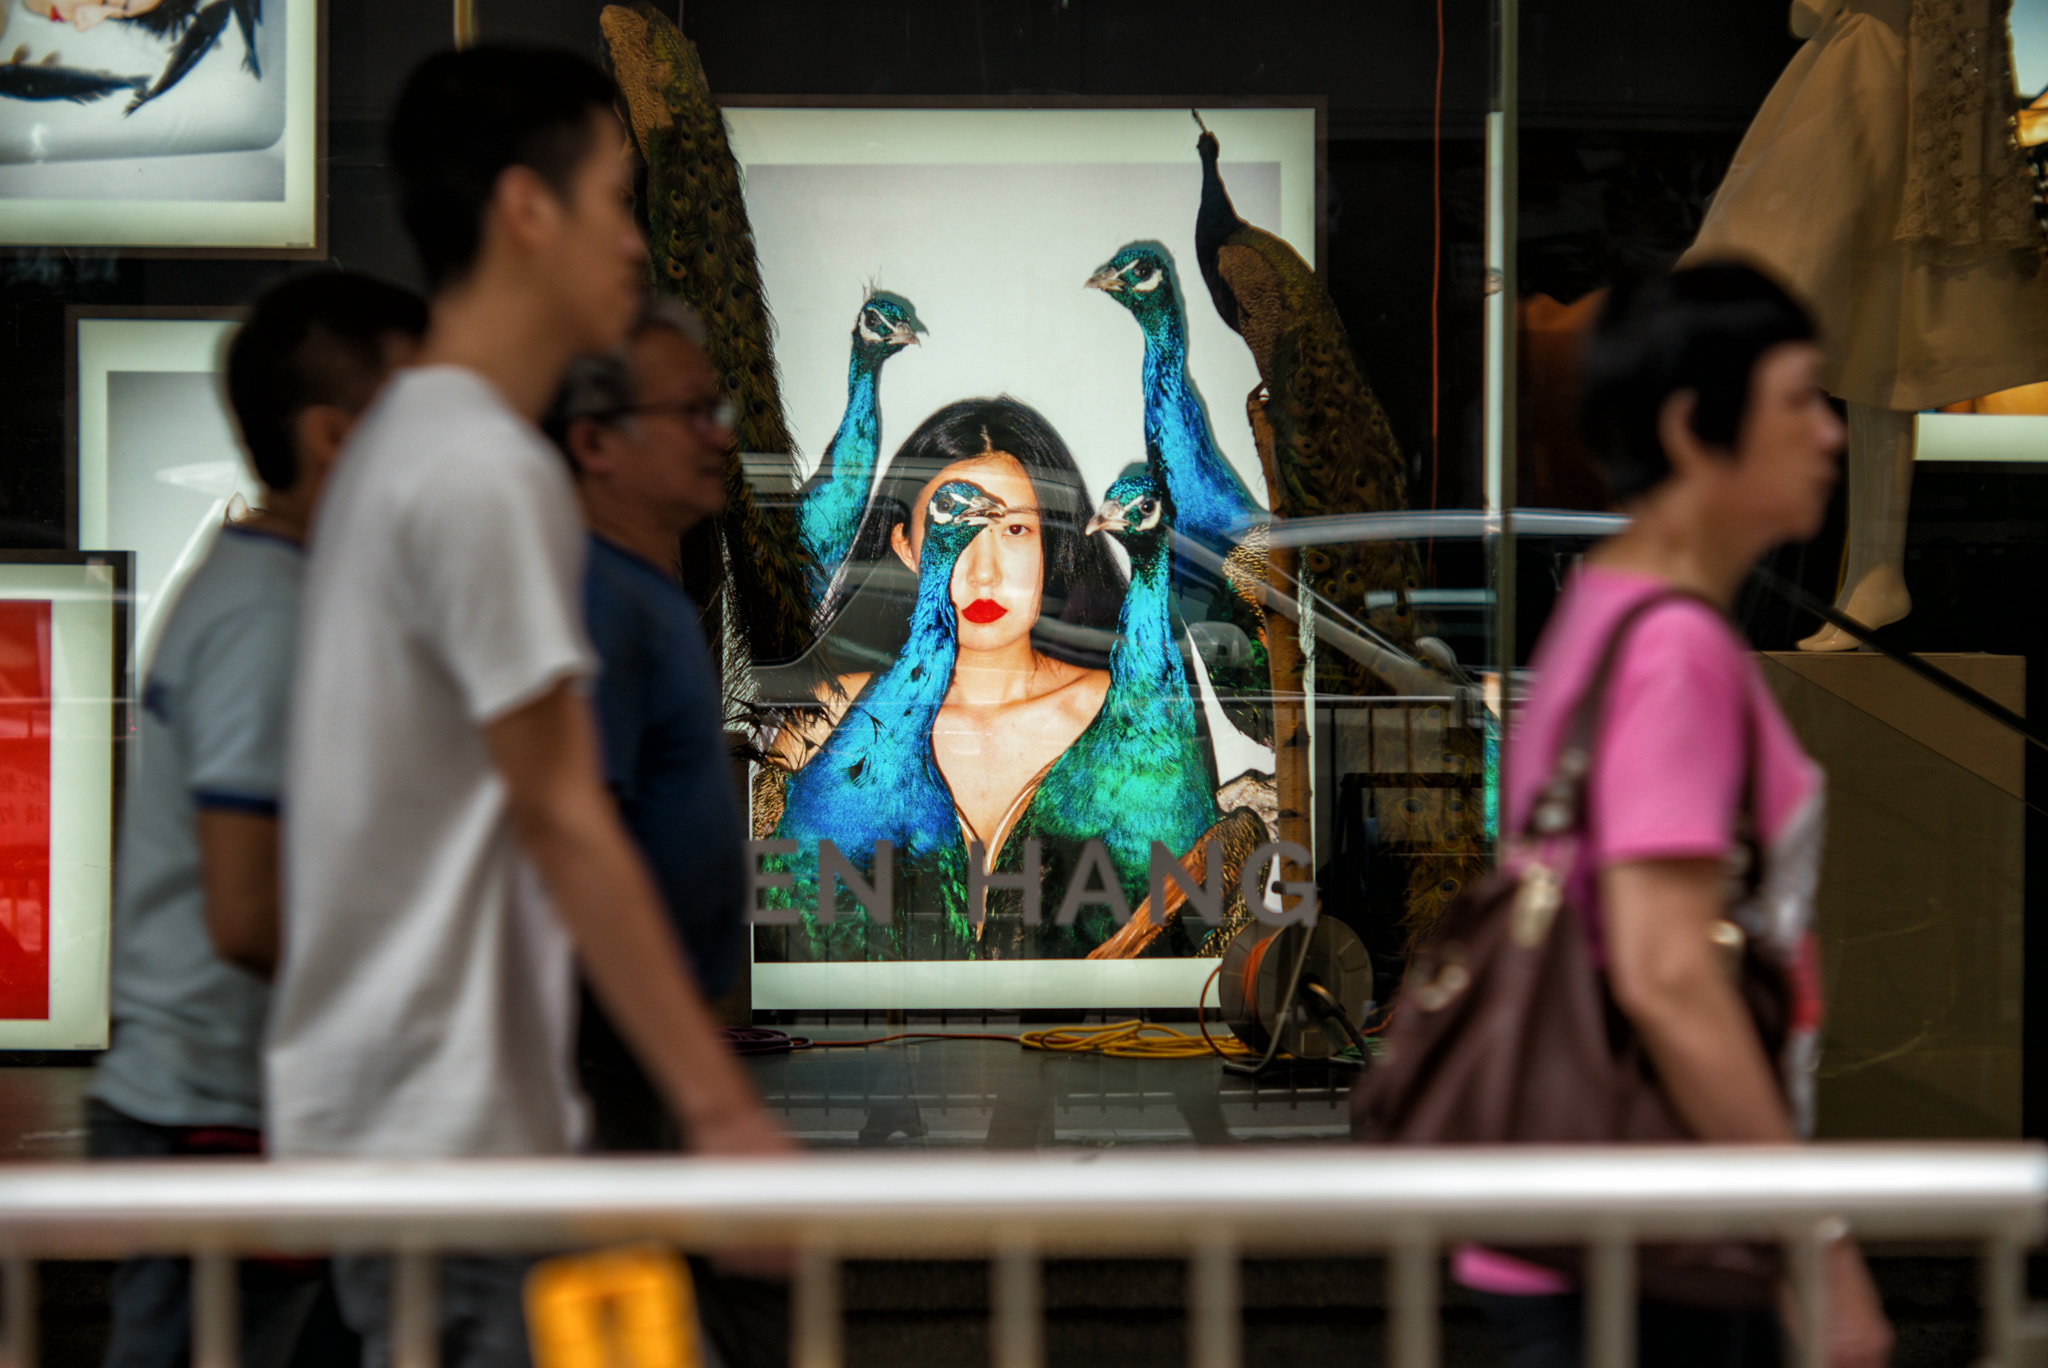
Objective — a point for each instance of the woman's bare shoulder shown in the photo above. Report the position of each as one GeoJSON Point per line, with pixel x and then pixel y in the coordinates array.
{"type": "Point", "coordinates": [1082, 692]}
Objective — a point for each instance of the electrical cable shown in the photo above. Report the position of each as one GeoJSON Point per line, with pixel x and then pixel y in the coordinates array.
{"type": "Point", "coordinates": [1332, 1009]}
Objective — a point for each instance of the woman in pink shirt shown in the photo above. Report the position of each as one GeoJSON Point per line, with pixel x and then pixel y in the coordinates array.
{"type": "Point", "coordinates": [1703, 403]}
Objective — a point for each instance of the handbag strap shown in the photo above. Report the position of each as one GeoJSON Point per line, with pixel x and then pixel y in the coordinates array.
{"type": "Point", "coordinates": [1560, 806]}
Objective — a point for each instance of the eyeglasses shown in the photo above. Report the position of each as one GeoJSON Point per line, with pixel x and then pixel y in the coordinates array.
{"type": "Point", "coordinates": [702, 414]}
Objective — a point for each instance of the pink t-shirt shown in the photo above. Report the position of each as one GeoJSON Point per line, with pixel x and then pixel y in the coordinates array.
{"type": "Point", "coordinates": [1684, 708]}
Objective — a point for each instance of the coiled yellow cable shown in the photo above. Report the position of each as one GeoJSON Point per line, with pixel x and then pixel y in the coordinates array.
{"type": "Point", "coordinates": [1131, 1040]}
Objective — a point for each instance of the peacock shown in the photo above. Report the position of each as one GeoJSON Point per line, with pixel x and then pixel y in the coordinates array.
{"type": "Point", "coordinates": [876, 778]}
{"type": "Point", "coordinates": [747, 566]}
{"type": "Point", "coordinates": [1211, 504]}
{"type": "Point", "coordinates": [1139, 773]}
{"type": "Point", "coordinates": [1213, 509]}
{"type": "Point", "coordinates": [830, 504]}
{"type": "Point", "coordinates": [1327, 447]}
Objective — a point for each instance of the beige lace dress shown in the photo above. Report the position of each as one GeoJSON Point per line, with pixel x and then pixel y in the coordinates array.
{"type": "Point", "coordinates": [1880, 182]}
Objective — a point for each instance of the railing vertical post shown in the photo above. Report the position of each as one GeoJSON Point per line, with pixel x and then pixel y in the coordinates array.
{"type": "Point", "coordinates": [1611, 1303]}
{"type": "Point", "coordinates": [1810, 1292]}
{"type": "Point", "coordinates": [1412, 1292]}
{"type": "Point", "coordinates": [415, 1311]}
{"type": "Point", "coordinates": [18, 1336]}
{"type": "Point", "coordinates": [215, 1316]}
{"type": "Point", "coordinates": [1215, 1325]}
{"type": "Point", "coordinates": [1018, 1328]}
{"type": "Point", "coordinates": [815, 1340]}
{"type": "Point", "coordinates": [2004, 1294]}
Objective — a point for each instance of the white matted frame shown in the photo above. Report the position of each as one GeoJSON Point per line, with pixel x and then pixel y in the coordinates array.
{"type": "Point", "coordinates": [89, 691]}
{"type": "Point", "coordinates": [957, 206]}
{"type": "Point", "coordinates": [154, 461]}
{"type": "Point", "coordinates": [224, 163]}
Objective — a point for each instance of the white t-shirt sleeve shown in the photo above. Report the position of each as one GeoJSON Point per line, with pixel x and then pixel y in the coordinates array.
{"type": "Point", "coordinates": [495, 562]}
{"type": "Point", "coordinates": [231, 707]}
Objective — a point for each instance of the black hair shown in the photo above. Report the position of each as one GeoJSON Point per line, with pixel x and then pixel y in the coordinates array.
{"type": "Point", "coordinates": [314, 339]}
{"type": "Point", "coordinates": [463, 118]}
{"type": "Point", "coordinates": [1084, 586]}
{"type": "Point", "coordinates": [1703, 329]}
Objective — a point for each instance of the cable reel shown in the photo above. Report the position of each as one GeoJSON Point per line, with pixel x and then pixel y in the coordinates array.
{"type": "Point", "coordinates": [1302, 990]}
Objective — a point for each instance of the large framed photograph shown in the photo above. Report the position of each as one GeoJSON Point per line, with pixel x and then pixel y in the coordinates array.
{"type": "Point", "coordinates": [979, 232]}
{"type": "Point", "coordinates": [162, 126]}
{"type": "Point", "coordinates": [156, 469]}
{"type": "Point", "coordinates": [63, 710]}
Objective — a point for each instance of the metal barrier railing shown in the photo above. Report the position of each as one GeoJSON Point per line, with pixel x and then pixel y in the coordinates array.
{"type": "Point", "coordinates": [1210, 1207]}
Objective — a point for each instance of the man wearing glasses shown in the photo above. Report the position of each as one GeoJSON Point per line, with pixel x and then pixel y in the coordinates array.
{"type": "Point", "coordinates": [647, 435]}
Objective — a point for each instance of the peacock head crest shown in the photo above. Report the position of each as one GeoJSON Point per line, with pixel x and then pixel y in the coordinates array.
{"type": "Point", "coordinates": [954, 516]}
{"type": "Point", "coordinates": [1135, 508]}
{"type": "Point", "coordinates": [1141, 278]}
{"type": "Point", "coordinates": [888, 322]}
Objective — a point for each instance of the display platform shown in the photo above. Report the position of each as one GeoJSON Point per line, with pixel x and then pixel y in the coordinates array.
{"type": "Point", "coordinates": [1920, 907]}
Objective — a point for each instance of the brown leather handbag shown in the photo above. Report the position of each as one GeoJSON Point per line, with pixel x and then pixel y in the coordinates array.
{"type": "Point", "coordinates": [1505, 1031]}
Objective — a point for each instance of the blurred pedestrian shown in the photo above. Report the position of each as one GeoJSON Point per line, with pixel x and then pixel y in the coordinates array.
{"type": "Point", "coordinates": [1703, 403]}
{"type": "Point", "coordinates": [647, 435]}
{"type": "Point", "coordinates": [196, 892]}
{"type": "Point", "coordinates": [460, 852]}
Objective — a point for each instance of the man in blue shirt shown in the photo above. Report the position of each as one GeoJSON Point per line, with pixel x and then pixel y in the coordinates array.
{"type": "Point", "coordinates": [647, 434]}
{"type": "Point", "coordinates": [196, 888]}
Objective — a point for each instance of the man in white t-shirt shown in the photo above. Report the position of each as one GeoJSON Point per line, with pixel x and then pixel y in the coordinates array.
{"type": "Point", "coordinates": [452, 849]}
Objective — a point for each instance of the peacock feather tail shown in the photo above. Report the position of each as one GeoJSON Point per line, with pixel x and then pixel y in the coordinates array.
{"type": "Point", "coordinates": [1326, 447]}
{"type": "Point", "coordinates": [751, 562]}
{"type": "Point", "coordinates": [830, 504]}
{"type": "Point", "coordinates": [876, 777]}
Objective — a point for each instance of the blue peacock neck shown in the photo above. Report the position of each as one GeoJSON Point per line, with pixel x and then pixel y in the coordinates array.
{"type": "Point", "coordinates": [1209, 498]}
{"type": "Point", "coordinates": [917, 682]}
{"type": "Point", "coordinates": [1145, 663]}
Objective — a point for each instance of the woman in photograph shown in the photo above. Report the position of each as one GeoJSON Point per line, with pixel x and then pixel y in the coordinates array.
{"type": "Point", "coordinates": [1035, 602]}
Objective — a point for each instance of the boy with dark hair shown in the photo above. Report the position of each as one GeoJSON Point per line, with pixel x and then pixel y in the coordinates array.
{"type": "Point", "coordinates": [465, 852]}
{"type": "Point", "coordinates": [196, 900]}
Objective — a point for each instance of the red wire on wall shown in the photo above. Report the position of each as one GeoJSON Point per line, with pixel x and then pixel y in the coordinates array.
{"type": "Point", "coordinates": [1436, 258]}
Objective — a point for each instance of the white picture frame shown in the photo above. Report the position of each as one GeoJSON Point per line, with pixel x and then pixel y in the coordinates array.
{"type": "Point", "coordinates": [88, 700]}
{"type": "Point", "coordinates": [226, 161]}
{"type": "Point", "coordinates": [155, 464]}
{"type": "Point", "coordinates": [832, 192]}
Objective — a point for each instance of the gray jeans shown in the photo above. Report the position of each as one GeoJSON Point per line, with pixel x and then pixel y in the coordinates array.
{"type": "Point", "coordinates": [483, 1315]}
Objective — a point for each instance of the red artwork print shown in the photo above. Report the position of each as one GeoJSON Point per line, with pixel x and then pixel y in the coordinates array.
{"type": "Point", "coordinates": [24, 811]}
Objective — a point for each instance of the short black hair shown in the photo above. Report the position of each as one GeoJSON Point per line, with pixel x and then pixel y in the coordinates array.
{"type": "Point", "coordinates": [1703, 329]}
{"type": "Point", "coordinates": [1083, 587]}
{"type": "Point", "coordinates": [314, 339]}
{"type": "Point", "coordinates": [464, 117]}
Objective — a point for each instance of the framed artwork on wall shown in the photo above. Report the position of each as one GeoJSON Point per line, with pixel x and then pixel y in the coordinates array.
{"type": "Point", "coordinates": [979, 230]}
{"type": "Point", "coordinates": [63, 710]}
{"type": "Point", "coordinates": [180, 127]}
{"type": "Point", "coordinates": [155, 465]}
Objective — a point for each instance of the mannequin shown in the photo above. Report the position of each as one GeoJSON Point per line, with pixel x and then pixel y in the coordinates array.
{"type": "Point", "coordinates": [1880, 181]}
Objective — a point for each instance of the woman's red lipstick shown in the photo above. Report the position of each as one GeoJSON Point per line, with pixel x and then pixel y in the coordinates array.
{"type": "Point", "coordinates": [983, 610]}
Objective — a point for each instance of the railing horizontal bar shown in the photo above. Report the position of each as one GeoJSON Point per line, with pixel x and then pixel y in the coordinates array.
{"type": "Point", "coordinates": [1162, 1199]}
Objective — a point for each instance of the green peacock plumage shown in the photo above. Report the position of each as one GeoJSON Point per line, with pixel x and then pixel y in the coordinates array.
{"type": "Point", "coordinates": [701, 251]}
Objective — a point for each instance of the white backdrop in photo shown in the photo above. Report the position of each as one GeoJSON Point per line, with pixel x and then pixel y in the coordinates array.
{"type": "Point", "coordinates": [989, 222]}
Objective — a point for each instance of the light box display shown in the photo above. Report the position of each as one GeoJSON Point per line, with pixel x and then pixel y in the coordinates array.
{"type": "Point", "coordinates": [62, 711]}
{"type": "Point", "coordinates": [979, 233]}
{"type": "Point", "coordinates": [184, 124]}
{"type": "Point", "coordinates": [158, 466]}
